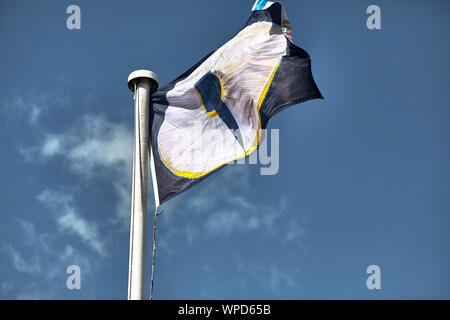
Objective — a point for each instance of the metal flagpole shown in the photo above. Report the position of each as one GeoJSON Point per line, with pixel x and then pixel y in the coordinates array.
{"type": "Point", "coordinates": [142, 83]}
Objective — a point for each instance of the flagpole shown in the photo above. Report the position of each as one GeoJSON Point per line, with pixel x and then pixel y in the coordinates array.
{"type": "Point", "coordinates": [143, 83]}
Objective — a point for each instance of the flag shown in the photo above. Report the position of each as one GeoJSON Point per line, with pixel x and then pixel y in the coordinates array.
{"type": "Point", "coordinates": [213, 113]}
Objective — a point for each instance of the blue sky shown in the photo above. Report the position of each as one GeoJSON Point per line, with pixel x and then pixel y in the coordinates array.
{"type": "Point", "coordinates": [363, 177]}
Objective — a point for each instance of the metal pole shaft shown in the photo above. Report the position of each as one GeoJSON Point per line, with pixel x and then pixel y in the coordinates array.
{"type": "Point", "coordinates": [142, 83]}
{"type": "Point", "coordinates": [139, 194]}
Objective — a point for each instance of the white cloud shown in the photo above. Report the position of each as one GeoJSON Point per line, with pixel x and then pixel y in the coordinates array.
{"type": "Point", "coordinates": [94, 148]}
{"type": "Point", "coordinates": [43, 258]}
{"type": "Point", "coordinates": [29, 234]}
{"type": "Point", "coordinates": [278, 278]}
{"type": "Point", "coordinates": [241, 215]}
{"type": "Point", "coordinates": [20, 264]}
{"type": "Point", "coordinates": [31, 105]}
{"type": "Point", "coordinates": [68, 219]}
{"type": "Point", "coordinates": [51, 146]}
{"type": "Point", "coordinates": [295, 230]}
{"type": "Point", "coordinates": [191, 233]}
{"type": "Point", "coordinates": [7, 286]}
{"type": "Point", "coordinates": [227, 221]}
{"type": "Point", "coordinates": [99, 144]}
{"type": "Point", "coordinates": [87, 232]}
{"type": "Point", "coordinates": [92, 143]}
{"type": "Point", "coordinates": [35, 113]}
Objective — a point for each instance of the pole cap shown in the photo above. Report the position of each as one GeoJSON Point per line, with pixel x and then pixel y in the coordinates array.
{"type": "Point", "coordinates": [142, 75]}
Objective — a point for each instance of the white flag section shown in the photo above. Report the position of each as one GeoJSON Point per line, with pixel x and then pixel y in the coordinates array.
{"type": "Point", "coordinates": [247, 63]}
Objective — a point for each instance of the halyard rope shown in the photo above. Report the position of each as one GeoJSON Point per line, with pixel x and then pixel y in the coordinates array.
{"type": "Point", "coordinates": [154, 251]}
